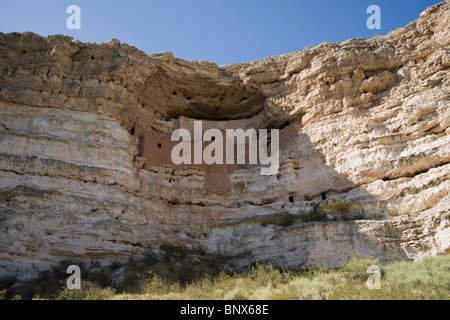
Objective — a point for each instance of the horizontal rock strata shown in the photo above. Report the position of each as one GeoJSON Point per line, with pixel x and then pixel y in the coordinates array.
{"type": "Point", "coordinates": [364, 141]}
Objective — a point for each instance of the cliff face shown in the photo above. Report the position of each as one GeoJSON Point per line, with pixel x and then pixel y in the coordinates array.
{"type": "Point", "coordinates": [364, 141]}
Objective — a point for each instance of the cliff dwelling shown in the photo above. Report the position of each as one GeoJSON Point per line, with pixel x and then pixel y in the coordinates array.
{"type": "Point", "coordinates": [364, 162]}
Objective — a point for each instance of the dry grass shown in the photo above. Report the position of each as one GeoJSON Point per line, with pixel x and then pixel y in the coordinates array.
{"type": "Point", "coordinates": [426, 279]}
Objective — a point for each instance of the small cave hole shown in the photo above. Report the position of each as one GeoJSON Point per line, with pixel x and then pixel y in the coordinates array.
{"type": "Point", "coordinates": [92, 58]}
{"type": "Point", "coordinates": [132, 131]}
{"type": "Point", "coordinates": [174, 92]}
{"type": "Point", "coordinates": [291, 199]}
{"type": "Point", "coordinates": [324, 196]}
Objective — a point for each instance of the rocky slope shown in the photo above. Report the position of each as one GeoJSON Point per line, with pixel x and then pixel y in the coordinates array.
{"type": "Point", "coordinates": [364, 165]}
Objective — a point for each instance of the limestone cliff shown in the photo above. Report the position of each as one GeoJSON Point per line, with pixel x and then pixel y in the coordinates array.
{"type": "Point", "coordinates": [364, 136]}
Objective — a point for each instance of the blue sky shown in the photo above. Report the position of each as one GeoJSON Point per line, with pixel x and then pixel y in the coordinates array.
{"type": "Point", "coordinates": [223, 31]}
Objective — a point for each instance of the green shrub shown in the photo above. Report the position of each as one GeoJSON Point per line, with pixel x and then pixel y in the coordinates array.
{"type": "Point", "coordinates": [265, 275]}
{"type": "Point", "coordinates": [236, 294]}
{"type": "Point", "coordinates": [88, 291]}
{"type": "Point", "coordinates": [356, 267]}
{"type": "Point", "coordinates": [155, 285]}
{"type": "Point", "coordinates": [286, 221]}
{"type": "Point", "coordinates": [425, 279]}
{"type": "Point", "coordinates": [306, 289]}
{"type": "Point", "coordinates": [315, 216]}
{"type": "Point", "coordinates": [263, 293]}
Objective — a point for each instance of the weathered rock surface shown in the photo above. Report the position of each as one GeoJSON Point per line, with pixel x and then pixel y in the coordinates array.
{"type": "Point", "coordinates": [364, 165]}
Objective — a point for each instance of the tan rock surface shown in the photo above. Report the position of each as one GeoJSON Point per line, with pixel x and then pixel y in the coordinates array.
{"type": "Point", "coordinates": [365, 124]}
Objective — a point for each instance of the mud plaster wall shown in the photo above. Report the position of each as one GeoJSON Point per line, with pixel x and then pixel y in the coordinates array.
{"type": "Point", "coordinates": [157, 150]}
